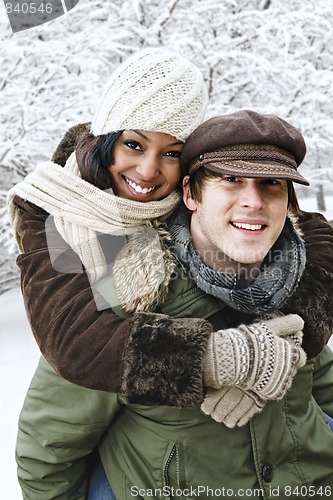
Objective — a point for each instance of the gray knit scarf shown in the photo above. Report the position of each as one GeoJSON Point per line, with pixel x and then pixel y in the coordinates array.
{"type": "Point", "coordinates": [279, 275]}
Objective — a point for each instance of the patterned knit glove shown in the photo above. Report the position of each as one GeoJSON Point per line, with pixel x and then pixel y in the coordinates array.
{"type": "Point", "coordinates": [261, 357]}
{"type": "Point", "coordinates": [232, 406]}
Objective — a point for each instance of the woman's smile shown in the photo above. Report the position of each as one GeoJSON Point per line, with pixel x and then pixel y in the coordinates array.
{"type": "Point", "coordinates": [139, 188]}
{"type": "Point", "coordinates": [146, 165]}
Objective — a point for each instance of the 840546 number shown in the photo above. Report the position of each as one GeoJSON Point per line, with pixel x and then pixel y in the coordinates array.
{"type": "Point", "coordinates": [308, 491]}
{"type": "Point", "coordinates": [29, 8]}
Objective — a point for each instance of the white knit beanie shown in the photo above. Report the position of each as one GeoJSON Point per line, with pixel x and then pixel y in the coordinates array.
{"type": "Point", "coordinates": [154, 90]}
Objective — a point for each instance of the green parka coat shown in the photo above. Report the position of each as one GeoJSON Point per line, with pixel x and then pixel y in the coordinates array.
{"type": "Point", "coordinates": [161, 452]}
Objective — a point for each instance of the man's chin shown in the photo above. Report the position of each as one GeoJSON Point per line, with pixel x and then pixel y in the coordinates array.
{"type": "Point", "coordinates": [249, 258]}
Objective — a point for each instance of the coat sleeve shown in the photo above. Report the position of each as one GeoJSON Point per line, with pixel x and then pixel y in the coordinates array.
{"type": "Point", "coordinates": [312, 299]}
{"type": "Point", "coordinates": [97, 348]}
{"type": "Point", "coordinates": [323, 381]}
{"type": "Point", "coordinates": [59, 425]}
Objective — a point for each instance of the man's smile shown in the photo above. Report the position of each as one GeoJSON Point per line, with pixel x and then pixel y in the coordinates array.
{"type": "Point", "coordinates": [249, 227]}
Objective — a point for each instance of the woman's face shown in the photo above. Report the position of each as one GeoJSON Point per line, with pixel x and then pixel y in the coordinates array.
{"type": "Point", "coordinates": [146, 165]}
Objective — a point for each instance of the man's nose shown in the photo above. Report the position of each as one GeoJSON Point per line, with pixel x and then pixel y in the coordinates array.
{"type": "Point", "coordinates": [253, 196]}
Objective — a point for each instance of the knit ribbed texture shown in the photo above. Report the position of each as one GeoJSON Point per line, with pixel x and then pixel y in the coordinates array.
{"type": "Point", "coordinates": [261, 357]}
{"type": "Point", "coordinates": [155, 90]}
{"type": "Point", "coordinates": [232, 406]}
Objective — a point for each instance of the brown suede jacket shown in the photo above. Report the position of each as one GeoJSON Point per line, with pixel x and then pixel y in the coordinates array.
{"type": "Point", "coordinates": [100, 350]}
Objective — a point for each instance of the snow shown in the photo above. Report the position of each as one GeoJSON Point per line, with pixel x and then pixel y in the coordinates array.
{"type": "Point", "coordinates": [19, 355]}
{"type": "Point", "coordinates": [309, 205]}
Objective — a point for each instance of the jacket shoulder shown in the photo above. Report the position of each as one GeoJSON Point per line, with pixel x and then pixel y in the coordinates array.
{"type": "Point", "coordinates": [185, 299]}
{"type": "Point", "coordinates": [68, 143]}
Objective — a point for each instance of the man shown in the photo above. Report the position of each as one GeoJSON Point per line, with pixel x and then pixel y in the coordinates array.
{"type": "Point", "coordinates": [239, 243]}
{"type": "Point", "coordinates": [238, 189]}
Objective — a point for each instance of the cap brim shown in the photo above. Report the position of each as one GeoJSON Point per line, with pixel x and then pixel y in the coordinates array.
{"type": "Point", "coordinates": [269, 170]}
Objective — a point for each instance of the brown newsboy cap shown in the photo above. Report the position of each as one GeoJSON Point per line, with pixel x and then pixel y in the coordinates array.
{"type": "Point", "coordinates": [246, 144]}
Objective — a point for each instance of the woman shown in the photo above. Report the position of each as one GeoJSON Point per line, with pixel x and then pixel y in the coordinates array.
{"type": "Point", "coordinates": [173, 103]}
{"type": "Point", "coordinates": [153, 101]}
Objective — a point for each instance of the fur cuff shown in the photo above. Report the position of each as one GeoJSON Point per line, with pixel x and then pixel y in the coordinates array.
{"type": "Point", "coordinates": [164, 361]}
{"type": "Point", "coordinates": [312, 301]}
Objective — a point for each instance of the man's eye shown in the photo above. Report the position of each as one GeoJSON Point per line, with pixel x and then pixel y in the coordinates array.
{"type": "Point", "coordinates": [133, 145]}
{"type": "Point", "coordinates": [174, 154]}
{"type": "Point", "coordinates": [271, 182]}
{"type": "Point", "coordinates": [230, 178]}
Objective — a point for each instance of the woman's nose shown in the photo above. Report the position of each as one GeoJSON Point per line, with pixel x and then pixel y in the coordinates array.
{"type": "Point", "coordinates": [148, 168]}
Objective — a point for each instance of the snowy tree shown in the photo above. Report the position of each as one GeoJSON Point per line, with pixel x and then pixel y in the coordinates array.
{"type": "Point", "coordinates": [269, 55]}
{"type": "Point", "coordinates": [10, 172]}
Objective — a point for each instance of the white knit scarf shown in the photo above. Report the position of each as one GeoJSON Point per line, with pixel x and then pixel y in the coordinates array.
{"type": "Point", "coordinates": [82, 210]}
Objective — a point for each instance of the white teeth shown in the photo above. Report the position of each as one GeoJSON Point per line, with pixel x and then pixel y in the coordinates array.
{"type": "Point", "coordinates": [251, 227]}
{"type": "Point", "coordinates": [138, 188]}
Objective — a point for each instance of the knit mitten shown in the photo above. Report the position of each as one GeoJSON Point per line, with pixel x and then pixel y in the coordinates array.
{"type": "Point", "coordinates": [232, 406]}
{"type": "Point", "coordinates": [262, 357]}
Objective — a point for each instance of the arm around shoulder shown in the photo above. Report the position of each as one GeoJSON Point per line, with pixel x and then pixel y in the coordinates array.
{"type": "Point", "coordinates": [99, 349]}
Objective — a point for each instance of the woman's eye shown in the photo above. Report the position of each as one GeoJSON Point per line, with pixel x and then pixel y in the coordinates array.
{"type": "Point", "coordinates": [133, 145]}
{"type": "Point", "coordinates": [174, 154]}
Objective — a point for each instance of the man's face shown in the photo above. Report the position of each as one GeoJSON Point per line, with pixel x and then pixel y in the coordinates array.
{"type": "Point", "coordinates": [238, 219]}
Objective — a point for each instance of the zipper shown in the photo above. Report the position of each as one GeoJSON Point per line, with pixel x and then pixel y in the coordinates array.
{"type": "Point", "coordinates": [173, 454]}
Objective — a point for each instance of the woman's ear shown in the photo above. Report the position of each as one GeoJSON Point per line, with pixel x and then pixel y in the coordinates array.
{"type": "Point", "coordinates": [187, 196]}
